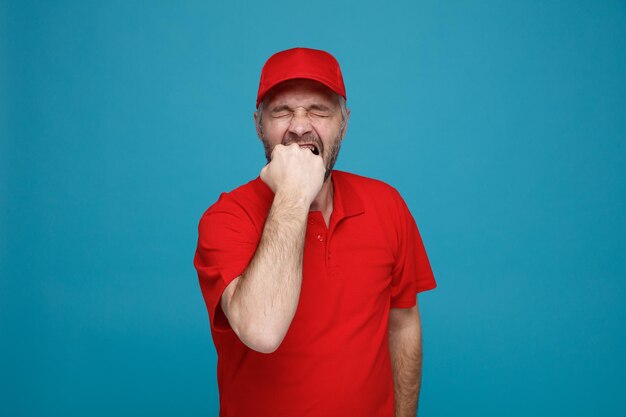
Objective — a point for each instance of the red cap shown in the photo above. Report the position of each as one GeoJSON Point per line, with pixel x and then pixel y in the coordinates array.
{"type": "Point", "coordinates": [301, 63]}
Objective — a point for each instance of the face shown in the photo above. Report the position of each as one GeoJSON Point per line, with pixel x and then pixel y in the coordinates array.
{"type": "Point", "coordinates": [304, 112]}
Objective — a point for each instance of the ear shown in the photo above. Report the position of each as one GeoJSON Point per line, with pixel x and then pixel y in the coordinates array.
{"type": "Point", "coordinates": [256, 125]}
{"type": "Point", "coordinates": [345, 126]}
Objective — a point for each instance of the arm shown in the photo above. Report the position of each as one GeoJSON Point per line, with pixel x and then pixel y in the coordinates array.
{"type": "Point", "coordinates": [405, 349]}
{"type": "Point", "coordinates": [261, 303]}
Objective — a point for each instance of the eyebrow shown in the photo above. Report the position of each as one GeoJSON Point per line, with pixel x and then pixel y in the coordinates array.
{"type": "Point", "coordinates": [319, 107]}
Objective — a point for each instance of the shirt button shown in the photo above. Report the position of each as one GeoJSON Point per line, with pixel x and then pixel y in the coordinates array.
{"type": "Point", "coordinates": [320, 238]}
{"type": "Point", "coordinates": [311, 221]}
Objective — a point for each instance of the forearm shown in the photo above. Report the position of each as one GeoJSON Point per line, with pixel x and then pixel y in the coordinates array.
{"type": "Point", "coordinates": [267, 295]}
{"type": "Point", "coordinates": [405, 348]}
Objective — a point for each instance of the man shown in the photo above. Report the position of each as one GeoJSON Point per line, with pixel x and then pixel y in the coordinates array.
{"type": "Point", "coordinates": [310, 274]}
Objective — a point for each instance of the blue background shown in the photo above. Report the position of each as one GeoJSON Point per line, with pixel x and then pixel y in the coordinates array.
{"type": "Point", "coordinates": [502, 123]}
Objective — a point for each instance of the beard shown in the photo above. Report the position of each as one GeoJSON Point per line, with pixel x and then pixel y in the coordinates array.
{"type": "Point", "coordinates": [329, 157]}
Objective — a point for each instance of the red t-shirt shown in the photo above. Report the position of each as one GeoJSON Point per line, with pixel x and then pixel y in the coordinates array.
{"type": "Point", "coordinates": [334, 359]}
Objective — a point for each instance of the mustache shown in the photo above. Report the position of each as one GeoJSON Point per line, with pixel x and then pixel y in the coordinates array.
{"type": "Point", "coordinates": [308, 138]}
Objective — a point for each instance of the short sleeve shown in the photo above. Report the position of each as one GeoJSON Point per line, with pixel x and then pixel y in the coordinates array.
{"type": "Point", "coordinates": [411, 273]}
{"type": "Point", "coordinates": [227, 241]}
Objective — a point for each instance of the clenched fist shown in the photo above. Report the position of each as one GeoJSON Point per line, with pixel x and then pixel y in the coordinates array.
{"type": "Point", "coordinates": [295, 171]}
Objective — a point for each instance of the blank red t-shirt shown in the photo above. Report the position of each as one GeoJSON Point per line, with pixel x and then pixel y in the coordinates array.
{"type": "Point", "coordinates": [334, 359]}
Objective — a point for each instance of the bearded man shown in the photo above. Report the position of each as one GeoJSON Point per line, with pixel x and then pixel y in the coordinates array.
{"type": "Point", "coordinates": [310, 275]}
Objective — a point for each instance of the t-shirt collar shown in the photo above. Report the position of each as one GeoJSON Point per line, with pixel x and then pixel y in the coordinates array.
{"type": "Point", "coordinates": [346, 200]}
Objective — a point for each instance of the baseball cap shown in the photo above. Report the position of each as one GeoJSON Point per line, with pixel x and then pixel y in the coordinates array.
{"type": "Point", "coordinates": [312, 64]}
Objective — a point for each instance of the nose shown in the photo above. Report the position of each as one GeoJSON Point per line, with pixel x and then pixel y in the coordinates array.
{"type": "Point", "coordinates": [300, 123]}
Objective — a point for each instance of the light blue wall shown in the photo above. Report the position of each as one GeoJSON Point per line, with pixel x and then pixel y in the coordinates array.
{"type": "Point", "coordinates": [503, 124]}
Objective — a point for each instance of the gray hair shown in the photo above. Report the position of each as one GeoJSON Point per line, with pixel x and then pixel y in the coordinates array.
{"type": "Point", "coordinates": [342, 105]}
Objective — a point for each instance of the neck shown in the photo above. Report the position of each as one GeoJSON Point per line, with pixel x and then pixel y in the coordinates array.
{"type": "Point", "coordinates": [324, 200]}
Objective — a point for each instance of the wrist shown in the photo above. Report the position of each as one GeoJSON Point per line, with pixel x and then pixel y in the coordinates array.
{"type": "Point", "coordinates": [292, 199]}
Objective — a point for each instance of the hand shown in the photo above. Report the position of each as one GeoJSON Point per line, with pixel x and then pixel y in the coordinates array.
{"type": "Point", "coordinates": [297, 172]}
